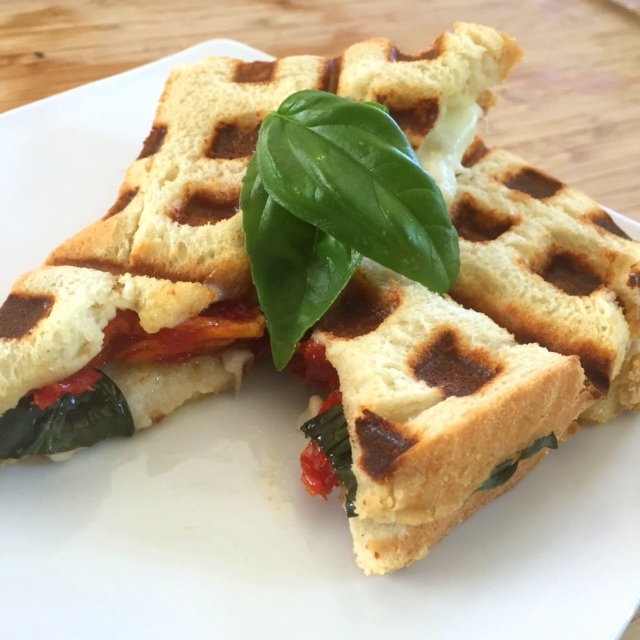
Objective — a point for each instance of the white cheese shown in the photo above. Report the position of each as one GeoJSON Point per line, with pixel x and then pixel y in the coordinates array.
{"type": "Point", "coordinates": [440, 153]}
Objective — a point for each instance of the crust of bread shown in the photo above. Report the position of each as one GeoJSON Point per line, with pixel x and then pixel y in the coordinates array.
{"type": "Point", "coordinates": [384, 548]}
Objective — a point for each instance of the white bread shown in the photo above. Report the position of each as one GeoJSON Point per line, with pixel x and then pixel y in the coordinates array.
{"type": "Point", "coordinates": [435, 397]}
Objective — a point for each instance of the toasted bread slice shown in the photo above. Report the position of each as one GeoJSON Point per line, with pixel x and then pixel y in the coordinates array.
{"type": "Point", "coordinates": [548, 263]}
{"type": "Point", "coordinates": [436, 397]}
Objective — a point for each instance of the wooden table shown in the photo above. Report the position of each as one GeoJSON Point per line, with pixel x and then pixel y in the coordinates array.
{"type": "Point", "coordinates": [572, 107]}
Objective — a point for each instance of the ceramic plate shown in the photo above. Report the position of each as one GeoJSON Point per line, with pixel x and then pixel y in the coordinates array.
{"type": "Point", "coordinates": [200, 528]}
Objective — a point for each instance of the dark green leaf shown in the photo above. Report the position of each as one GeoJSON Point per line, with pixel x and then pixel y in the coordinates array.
{"type": "Point", "coordinates": [503, 471]}
{"type": "Point", "coordinates": [298, 270]}
{"type": "Point", "coordinates": [69, 423]}
{"type": "Point", "coordinates": [550, 441]}
{"type": "Point", "coordinates": [329, 430]}
{"type": "Point", "coordinates": [348, 169]}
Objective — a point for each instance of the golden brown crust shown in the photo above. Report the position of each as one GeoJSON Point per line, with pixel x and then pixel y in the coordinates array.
{"type": "Point", "coordinates": [381, 548]}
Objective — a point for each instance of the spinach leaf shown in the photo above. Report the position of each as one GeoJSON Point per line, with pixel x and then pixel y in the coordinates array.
{"type": "Point", "coordinates": [505, 470]}
{"type": "Point", "coordinates": [298, 269]}
{"type": "Point", "coordinates": [348, 169]}
{"type": "Point", "coordinates": [69, 423]}
{"type": "Point", "coordinates": [329, 430]}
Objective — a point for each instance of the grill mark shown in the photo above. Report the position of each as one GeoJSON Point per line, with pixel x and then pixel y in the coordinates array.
{"type": "Point", "coordinates": [433, 52]}
{"type": "Point", "coordinates": [121, 203]}
{"type": "Point", "coordinates": [153, 142]}
{"type": "Point", "coordinates": [258, 71]}
{"type": "Point", "coordinates": [571, 274]}
{"type": "Point", "coordinates": [633, 282]}
{"type": "Point", "coordinates": [20, 314]}
{"type": "Point", "coordinates": [417, 120]}
{"type": "Point", "coordinates": [603, 220]}
{"type": "Point", "coordinates": [477, 225]}
{"type": "Point", "coordinates": [331, 75]}
{"type": "Point", "coordinates": [476, 151]}
{"type": "Point", "coordinates": [441, 363]}
{"type": "Point", "coordinates": [232, 141]}
{"type": "Point", "coordinates": [534, 183]}
{"type": "Point", "coordinates": [360, 309]}
{"type": "Point", "coordinates": [381, 443]}
{"type": "Point", "coordinates": [596, 363]}
{"type": "Point", "coordinates": [203, 208]}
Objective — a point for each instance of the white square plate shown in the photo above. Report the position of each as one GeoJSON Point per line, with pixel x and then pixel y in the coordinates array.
{"type": "Point", "coordinates": [200, 528]}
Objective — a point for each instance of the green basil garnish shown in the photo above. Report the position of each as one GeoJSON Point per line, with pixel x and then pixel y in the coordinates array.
{"type": "Point", "coordinates": [505, 470]}
{"type": "Point", "coordinates": [329, 430]}
{"type": "Point", "coordinates": [346, 170]}
{"type": "Point", "coordinates": [297, 268]}
{"type": "Point", "coordinates": [69, 423]}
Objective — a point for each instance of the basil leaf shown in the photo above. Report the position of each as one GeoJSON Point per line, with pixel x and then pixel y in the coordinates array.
{"type": "Point", "coordinates": [298, 270]}
{"type": "Point", "coordinates": [348, 169]}
{"type": "Point", "coordinates": [329, 430]}
{"type": "Point", "coordinates": [550, 441]}
{"type": "Point", "coordinates": [72, 422]}
{"type": "Point", "coordinates": [505, 470]}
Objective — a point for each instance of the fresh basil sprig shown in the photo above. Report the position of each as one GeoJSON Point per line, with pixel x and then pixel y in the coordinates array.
{"type": "Point", "coordinates": [71, 422]}
{"type": "Point", "coordinates": [298, 270]}
{"type": "Point", "coordinates": [346, 170]}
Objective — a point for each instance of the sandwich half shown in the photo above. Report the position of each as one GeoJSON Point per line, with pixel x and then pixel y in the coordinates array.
{"type": "Point", "coordinates": [433, 411]}
{"type": "Point", "coordinates": [438, 405]}
{"type": "Point", "coordinates": [549, 264]}
{"type": "Point", "coordinates": [153, 304]}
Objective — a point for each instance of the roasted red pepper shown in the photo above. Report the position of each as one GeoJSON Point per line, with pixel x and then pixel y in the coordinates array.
{"type": "Point", "coordinates": [310, 364]}
{"type": "Point", "coordinates": [73, 385]}
{"type": "Point", "coordinates": [317, 473]}
{"type": "Point", "coordinates": [125, 340]}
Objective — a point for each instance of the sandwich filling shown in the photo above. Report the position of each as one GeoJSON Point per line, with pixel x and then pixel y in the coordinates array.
{"type": "Point", "coordinates": [88, 406]}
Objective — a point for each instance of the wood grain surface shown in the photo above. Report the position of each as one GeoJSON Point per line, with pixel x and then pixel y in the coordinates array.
{"type": "Point", "coordinates": [572, 107]}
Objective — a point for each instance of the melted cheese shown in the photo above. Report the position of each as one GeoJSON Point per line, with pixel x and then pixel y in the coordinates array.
{"type": "Point", "coordinates": [442, 149]}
